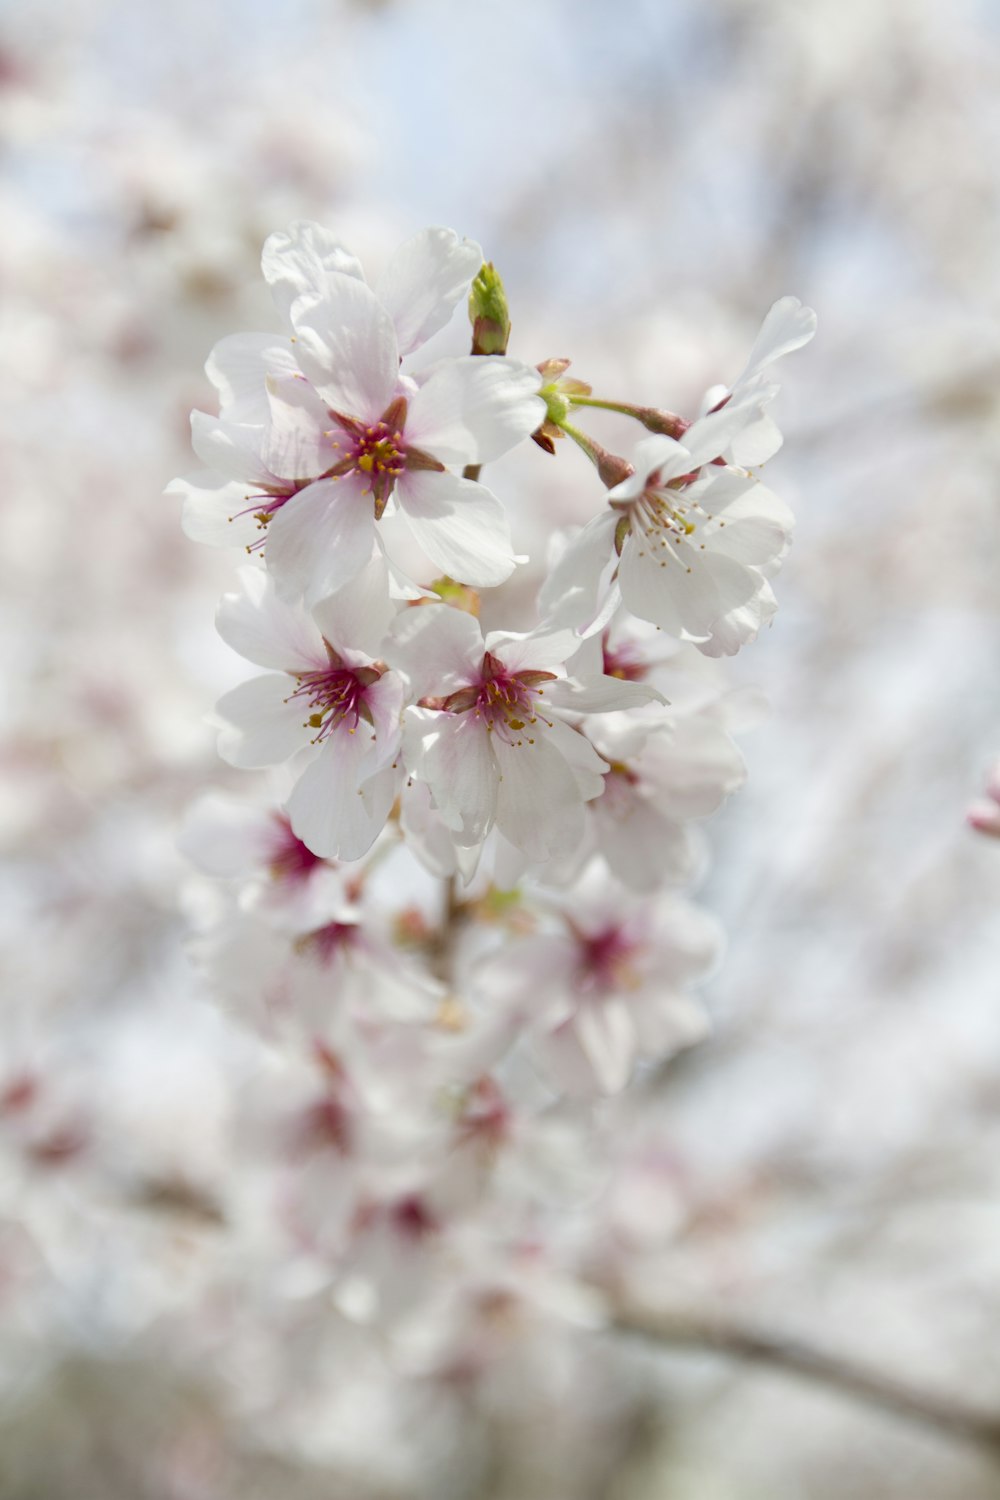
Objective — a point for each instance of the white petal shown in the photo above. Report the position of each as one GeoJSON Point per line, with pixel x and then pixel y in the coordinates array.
{"type": "Point", "coordinates": [607, 1037]}
{"type": "Point", "coordinates": [334, 811]}
{"type": "Point", "coordinates": [532, 650]}
{"type": "Point", "coordinates": [296, 442]}
{"type": "Point", "coordinates": [297, 262]}
{"type": "Point", "coordinates": [360, 613]}
{"type": "Point", "coordinates": [267, 630]}
{"type": "Point", "coordinates": [460, 524]}
{"type": "Point", "coordinates": [645, 591]}
{"type": "Point", "coordinates": [736, 501]}
{"type": "Point", "coordinates": [230, 448]}
{"type": "Point", "coordinates": [451, 752]}
{"type": "Point", "coordinates": [473, 409]}
{"type": "Point", "coordinates": [346, 346]}
{"type": "Point", "coordinates": [587, 765]}
{"type": "Point", "coordinates": [742, 625]}
{"type": "Point", "coordinates": [385, 703]}
{"type": "Point", "coordinates": [750, 540]}
{"type": "Point", "coordinates": [758, 442]}
{"type": "Point", "coordinates": [539, 808]}
{"type": "Point", "coordinates": [591, 1053]}
{"type": "Point", "coordinates": [601, 695]}
{"type": "Point", "coordinates": [216, 511]}
{"type": "Point", "coordinates": [225, 837]}
{"type": "Point", "coordinates": [695, 591]}
{"type": "Point", "coordinates": [238, 367]}
{"type": "Point", "coordinates": [423, 282]}
{"type": "Point", "coordinates": [425, 832]}
{"type": "Point", "coordinates": [439, 648]}
{"type": "Point", "coordinates": [259, 727]}
{"type": "Point", "coordinates": [654, 454]}
{"type": "Point", "coordinates": [692, 771]}
{"type": "Point", "coordinates": [643, 848]}
{"type": "Point", "coordinates": [667, 1022]}
{"type": "Point", "coordinates": [321, 538]}
{"type": "Point", "coordinates": [788, 326]}
{"type": "Point", "coordinates": [713, 434]}
{"type": "Point", "coordinates": [579, 587]}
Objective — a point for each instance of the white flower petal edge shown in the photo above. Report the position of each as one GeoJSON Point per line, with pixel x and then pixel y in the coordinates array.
{"type": "Point", "coordinates": [320, 538]}
{"type": "Point", "coordinates": [788, 326]}
{"type": "Point", "coordinates": [266, 630]}
{"type": "Point", "coordinates": [460, 524]}
{"type": "Point", "coordinates": [298, 261]}
{"type": "Point", "coordinates": [424, 281]}
{"type": "Point", "coordinates": [346, 346]}
{"type": "Point", "coordinates": [475, 409]}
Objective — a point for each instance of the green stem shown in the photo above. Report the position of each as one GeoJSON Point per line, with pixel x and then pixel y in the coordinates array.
{"type": "Point", "coordinates": [611, 468]}
{"type": "Point", "coordinates": [581, 440]}
{"type": "Point", "coordinates": [622, 406]}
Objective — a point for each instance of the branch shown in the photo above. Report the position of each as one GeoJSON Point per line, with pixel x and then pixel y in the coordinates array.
{"type": "Point", "coordinates": [707, 1332]}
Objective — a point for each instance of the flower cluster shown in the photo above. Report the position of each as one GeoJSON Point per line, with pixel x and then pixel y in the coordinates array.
{"type": "Point", "coordinates": [458, 919]}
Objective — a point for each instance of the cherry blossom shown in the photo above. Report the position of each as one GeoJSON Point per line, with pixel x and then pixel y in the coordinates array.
{"type": "Point", "coordinates": [492, 732]}
{"type": "Point", "coordinates": [327, 432]}
{"type": "Point", "coordinates": [606, 984]}
{"type": "Point", "coordinates": [329, 698]}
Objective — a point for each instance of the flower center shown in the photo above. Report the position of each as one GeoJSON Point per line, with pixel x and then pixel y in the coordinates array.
{"type": "Point", "coordinates": [663, 520]}
{"type": "Point", "coordinates": [291, 859]}
{"type": "Point", "coordinates": [606, 960]}
{"type": "Point", "coordinates": [265, 506]}
{"type": "Point", "coordinates": [376, 451]}
{"type": "Point", "coordinates": [505, 701]}
{"type": "Point", "coordinates": [623, 661]}
{"type": "Point", "coordinates": [326, 942]}
{"type": "Point", "coordinates": [335, 695]}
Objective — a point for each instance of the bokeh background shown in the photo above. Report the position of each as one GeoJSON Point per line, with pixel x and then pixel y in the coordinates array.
{"type": "Point", "coordinates": [648, 176]}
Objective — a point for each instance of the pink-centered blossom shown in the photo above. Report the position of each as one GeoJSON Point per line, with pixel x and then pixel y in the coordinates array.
{"type": "Point", "coordinates": [320, 435]}
{"type": "Point", "coordinates": [608, 984]}
{"type": "Point", "coordinates": [691, 538]}
{"type": "Point", "coordinates": [492, 732]}
{"type": "Point", "coordinates": [330, 701]}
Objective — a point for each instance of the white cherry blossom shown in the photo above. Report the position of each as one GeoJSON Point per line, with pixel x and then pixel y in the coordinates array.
{"type": "Point", "coordinates": [492, 731]}
{"type": "Point", "coordinates": [316, 437]}
{"type": "Point", "coordinates": [329, 697]}
{"type": "Point", "coordinates": [605, 984]}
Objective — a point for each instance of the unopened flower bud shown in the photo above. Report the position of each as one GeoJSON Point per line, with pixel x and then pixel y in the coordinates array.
{"type": "Point", "coordinates": [458, 595]}
{"type": "Point", "coordinates": [666, 422]}
{"type": "Point", "coordinates": [488, 312]}
{"type": "Point", "coordinates": [611, 467]}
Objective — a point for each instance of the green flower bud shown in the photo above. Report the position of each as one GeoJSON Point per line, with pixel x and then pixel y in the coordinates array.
{"type": "Point", "coordinates": [488, 312]}
{"type": "Point", "coordinates": [458, 595]}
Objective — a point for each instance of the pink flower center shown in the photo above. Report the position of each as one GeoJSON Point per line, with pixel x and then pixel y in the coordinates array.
{"type": "Point", "coordinates": [335, 695]}
{"type": "Point", "coordinates": [265, 506]}
{"type": "Point", "coordinates": [379, 450]}
{"type": "Point", "coordinates": [505, 701]}
{"type": "Point", "coordinates": [376, 451]}
{"type": "Point", "coordinates": [290, 858]}
{"type": "Point", "coordinates": [623, 661]}
{"type": "Point", "coordinates": [325, 1125]}
{"type": "Point", "coordinates": [606, 959]}
{"type": "Point", "coordinates": [326, 942]}
{"type": "Point", "coordinates": [412, 1218]}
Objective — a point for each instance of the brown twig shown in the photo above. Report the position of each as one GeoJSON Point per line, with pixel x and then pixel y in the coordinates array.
{"type": "Point", "coordinates": [707, 1332]}
{"type": "Point", "coordinates": [441, 948]}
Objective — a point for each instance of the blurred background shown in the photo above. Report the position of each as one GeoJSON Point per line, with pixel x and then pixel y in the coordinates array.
{"type": "Point", "coordinates": [649, 177]}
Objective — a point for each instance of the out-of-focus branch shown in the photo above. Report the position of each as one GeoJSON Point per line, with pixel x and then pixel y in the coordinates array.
{"type": "Point", "coordinates": [706, 1332]}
